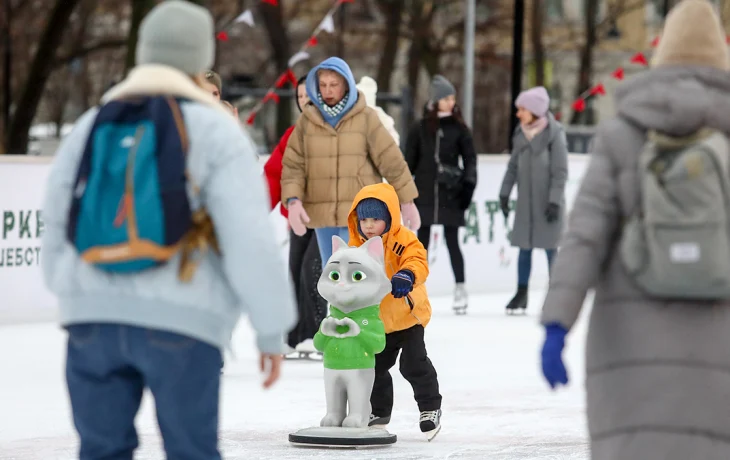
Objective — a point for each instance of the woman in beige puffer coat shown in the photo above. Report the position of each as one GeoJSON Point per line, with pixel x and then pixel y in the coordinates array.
{"type": "Point", "coordinates": [338, 146]}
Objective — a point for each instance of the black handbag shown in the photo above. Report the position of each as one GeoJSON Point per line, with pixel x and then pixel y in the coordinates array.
{"type": "Point", "coordinates": [451, 177]}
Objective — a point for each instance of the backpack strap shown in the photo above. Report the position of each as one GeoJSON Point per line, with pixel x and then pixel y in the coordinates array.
{"type": "Point", "coordinates": [201, 236]}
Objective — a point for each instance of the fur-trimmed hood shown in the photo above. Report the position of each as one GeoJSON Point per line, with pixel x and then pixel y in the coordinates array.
{"type": "Point", "coordinates": [153, 79]}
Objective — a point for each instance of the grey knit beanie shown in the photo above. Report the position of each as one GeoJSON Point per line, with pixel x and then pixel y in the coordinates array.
{"type": "Point", "coordinates": [178, 34]}
{"type": "Point", "coordinates": [441, 88]}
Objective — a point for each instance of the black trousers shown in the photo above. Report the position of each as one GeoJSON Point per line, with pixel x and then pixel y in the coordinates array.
{"type": "Point", "coordinates": [306, 267]}
{"type": "Point", "coordinates": [414, 366]}
{"type": "Point", "coordinates": [451, 235]}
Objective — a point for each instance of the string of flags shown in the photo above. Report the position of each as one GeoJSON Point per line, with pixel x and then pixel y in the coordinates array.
{"type": "Point", "coordinates": [599, 89]}
{"type": "Point", "coordinates": [287, 76]}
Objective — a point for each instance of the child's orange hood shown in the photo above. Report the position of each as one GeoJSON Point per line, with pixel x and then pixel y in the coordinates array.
{"type": "Point", "coordinates": [383, 192]}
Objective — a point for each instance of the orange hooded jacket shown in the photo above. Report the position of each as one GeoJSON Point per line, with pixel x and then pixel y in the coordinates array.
{"type": "Point", "coordinates": [403, 251]}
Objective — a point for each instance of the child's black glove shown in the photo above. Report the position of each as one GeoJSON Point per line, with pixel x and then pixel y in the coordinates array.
{"type": "Point", "coordinates": [402, 283]}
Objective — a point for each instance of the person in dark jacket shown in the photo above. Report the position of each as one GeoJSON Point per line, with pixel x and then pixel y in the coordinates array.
{"type": "Point", "coordinates": [305, 262]}
{"type": "Point", "coordinates": [445, 190]}
{"type": "Point", "coordinates": [539, 167]}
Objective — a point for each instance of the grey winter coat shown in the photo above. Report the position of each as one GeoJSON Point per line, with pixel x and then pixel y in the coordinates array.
{"type": "Point", "coordinates": [540, 169]}
{"type": "Point", "coordinates": [658, 372]}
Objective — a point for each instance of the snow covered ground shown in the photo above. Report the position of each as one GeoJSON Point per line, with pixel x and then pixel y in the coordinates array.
{"type": "Point", "coordinates": [496, 404]}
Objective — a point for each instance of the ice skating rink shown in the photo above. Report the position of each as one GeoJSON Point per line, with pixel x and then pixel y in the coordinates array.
{"type": "Point", "coordinates": [496, 404]}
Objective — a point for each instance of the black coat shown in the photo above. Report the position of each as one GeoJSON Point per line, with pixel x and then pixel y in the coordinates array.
{"type": "Point", "coordinates": [436, 203]}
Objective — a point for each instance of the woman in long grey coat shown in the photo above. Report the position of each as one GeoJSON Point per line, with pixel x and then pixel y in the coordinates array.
{"type": "Point", "coordinates": [657, 377]}
{"type": "Point", "coordinates": [539, 167]}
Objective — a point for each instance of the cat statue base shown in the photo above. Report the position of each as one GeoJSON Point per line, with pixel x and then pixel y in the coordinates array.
{"type": "Point", "coordinates": [353, 282]}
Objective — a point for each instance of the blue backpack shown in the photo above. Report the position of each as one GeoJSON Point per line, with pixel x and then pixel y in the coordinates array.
{"type": "Point", "coordinates": [130, 209]}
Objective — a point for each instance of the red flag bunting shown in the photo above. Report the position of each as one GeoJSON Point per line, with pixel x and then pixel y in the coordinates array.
{"type": "Point", "coordinates": [251, 118]}
{"type": "Point", "coordinates": [222, 36]}
{"type": "Point", "coordinates": [639, 58]}
{"type": "Point", "coordinates": [292, 78]}
{"type": "Point", "coordinates": [281, 81]}
{"type": "Point", "coordinates": [618, 74]}
{"type": "Point", "coordinates": [271, 2]}
{"type": "Point", "coordinates": [598, 89]}
{"type": "Point", "coordinates": [312, 42]}
{"type": "Point", "coordinates": [579, 105]}
{"type": "Point", "coordinates": [272, 96]}
{"type": "Point", "coordinates": [655, 42]}
{"type": "Point", "coordinates": [346, 1]}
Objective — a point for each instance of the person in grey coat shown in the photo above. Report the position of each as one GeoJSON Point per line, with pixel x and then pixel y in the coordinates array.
{"type": "Point", "coordinates": [539, 167]}
{"type": "Point", "coordinates": [657, 380]}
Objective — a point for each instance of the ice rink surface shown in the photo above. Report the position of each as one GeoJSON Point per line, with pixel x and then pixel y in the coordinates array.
{"type": "Point", "coordinates": [495, 403]}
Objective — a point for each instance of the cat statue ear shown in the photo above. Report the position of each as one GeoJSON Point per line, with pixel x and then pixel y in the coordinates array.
{"type": "Point", "coordinates": [375, 249]}
{"type": "Point", "coordinates": [338, 244]}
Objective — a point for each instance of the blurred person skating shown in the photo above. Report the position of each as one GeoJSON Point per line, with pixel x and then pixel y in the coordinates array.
{"type": "Point", "coordinates": [539, 166]}
{"type": "Point", "coordinates": [649, 232]}
{"type": "Point", "coordinates": [160, 326]}
{"type": "Point", "coordinates": [338, 146]}
{"type": "Point", "coordinates": [434, 147]}
{"type": "Point", "coordinates": [305, 264]}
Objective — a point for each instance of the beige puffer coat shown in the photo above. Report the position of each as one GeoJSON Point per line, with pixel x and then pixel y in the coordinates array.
{"type": "Point", "coordinates": [325, 167]}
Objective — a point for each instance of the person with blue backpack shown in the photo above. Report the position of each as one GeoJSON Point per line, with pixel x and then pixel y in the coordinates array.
{"type": "Point", "coordinates": [156, 239]}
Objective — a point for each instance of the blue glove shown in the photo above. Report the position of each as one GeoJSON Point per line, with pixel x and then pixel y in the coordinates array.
{"type": "Point", "coordinates": [402, 283]}
{"type": "Point", "coordinates": [552, 362]}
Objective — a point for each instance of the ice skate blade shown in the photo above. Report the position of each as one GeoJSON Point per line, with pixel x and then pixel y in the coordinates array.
{"type": "Point", "coordinates": [432, 434]}
{"type": "Point", "coordinates": [304, 356]}
{"type": "Point", "coordinates": [339, 437]}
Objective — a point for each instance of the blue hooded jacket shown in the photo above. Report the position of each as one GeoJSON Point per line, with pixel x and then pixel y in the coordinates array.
{"type": "Point", "coordinates": [341, 67]}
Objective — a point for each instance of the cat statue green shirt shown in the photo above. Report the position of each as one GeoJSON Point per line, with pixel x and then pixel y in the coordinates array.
{"type": "Point", "coordinates": [351, 341]}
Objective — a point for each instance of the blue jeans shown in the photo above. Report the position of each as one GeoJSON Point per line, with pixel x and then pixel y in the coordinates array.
{"type": "Point", "coordinates": [324, 240]}
{"type": "Point", "coordinates": [107, 368]}
{"type": "Point", "coordinates": [524, 264]}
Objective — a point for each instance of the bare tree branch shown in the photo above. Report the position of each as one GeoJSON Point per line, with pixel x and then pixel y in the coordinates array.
{"type": "Point", "coordinates": [111, 43]}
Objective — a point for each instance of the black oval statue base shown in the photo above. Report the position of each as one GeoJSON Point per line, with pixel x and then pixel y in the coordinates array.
{"type": "Point", "coordinates": [339, 437]}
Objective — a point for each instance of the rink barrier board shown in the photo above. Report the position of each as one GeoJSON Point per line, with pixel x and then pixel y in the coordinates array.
{"type": "Point", "coordinates": [489, 259]}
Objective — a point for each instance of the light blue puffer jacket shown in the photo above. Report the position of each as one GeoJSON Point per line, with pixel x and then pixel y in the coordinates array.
{"type": "Point", "coordinates": [250, 276]}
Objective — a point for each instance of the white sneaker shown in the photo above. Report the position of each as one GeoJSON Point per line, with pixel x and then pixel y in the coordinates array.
{"type": "Point", "coordinates": [306, 347]}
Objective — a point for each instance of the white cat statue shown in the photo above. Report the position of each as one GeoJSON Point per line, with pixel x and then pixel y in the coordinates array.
{"type": "Point", "coordinates": [354, 283]}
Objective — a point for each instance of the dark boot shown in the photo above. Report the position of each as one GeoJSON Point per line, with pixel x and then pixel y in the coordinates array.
{"type": "Point", "coordinates": [518, 302]}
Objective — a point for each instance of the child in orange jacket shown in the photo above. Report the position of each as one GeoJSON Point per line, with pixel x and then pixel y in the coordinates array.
{"type": "Point", "coordinates": [405, 311]}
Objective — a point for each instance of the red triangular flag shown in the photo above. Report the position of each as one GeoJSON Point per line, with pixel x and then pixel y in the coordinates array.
{"type": "Point", "coordinates": [281, 81]}
{"type": "Point", "coordinates": [618, 74]}
{"type": "Point", "coordinates": [579, 105]}
{"type": "Point", "coordinates": [272, 96]}
{"type": "Point", "coordinates": [312, 41]}
{"type": "Point", "coordinates": [346, 1]}
{"type": "Point", "coordinates": [598, 89]}
{"type": "Point", "coordinates": [251, 118]}
{"type": "Point", "coordinates": [292, 78]}
{"type": "Point", "coordinates": [727, 39]}
{"type": "Point", "coordinates": [271, 2]}
{"type": "Point", "coordinates": [639, 58]}
{"type": "Point", "coordinates": [655, 42]}
{"type": "Point", "coordinates": [222, 36]}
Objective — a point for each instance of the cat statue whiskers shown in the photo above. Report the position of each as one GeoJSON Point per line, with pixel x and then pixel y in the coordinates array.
{"type": "Point", "coordinates": [354, 283]}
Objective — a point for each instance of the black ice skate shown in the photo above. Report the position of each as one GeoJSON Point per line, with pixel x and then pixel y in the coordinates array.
{"type": "Point", "coordinates": [430, 423]}
{"type": "Point", "coordinates": [379, 422]}
{"type": "Point", "coordinates": [518, 304]}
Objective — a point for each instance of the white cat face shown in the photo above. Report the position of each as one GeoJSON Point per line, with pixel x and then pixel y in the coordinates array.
{"type": "Point", "coordinates": [354, 278]}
